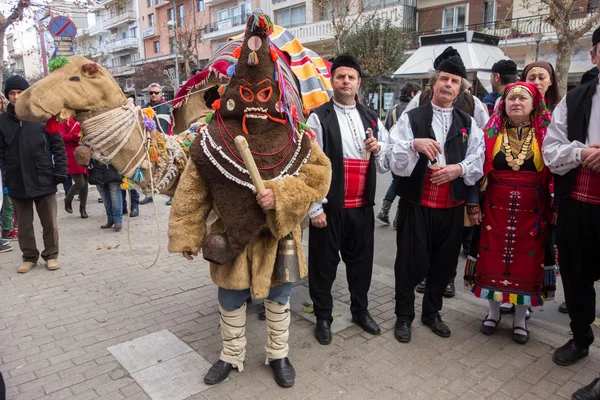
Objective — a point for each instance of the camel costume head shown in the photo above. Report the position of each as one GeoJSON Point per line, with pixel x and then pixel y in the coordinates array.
{"type": "Point", "coordinates": [76, 87]}
{"type": "Point", "coordinates": [116, 131]}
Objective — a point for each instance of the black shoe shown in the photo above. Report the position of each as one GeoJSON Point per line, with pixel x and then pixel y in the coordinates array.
{"type": "Point", "coordinates": [563, 308]}
{"type": "Point", "coordinates": [589, 392]}
{"type": "Point", "coordinates": [134, 213]}
{"type": "Point", "coordinates": [323, 331]}
{"type": "Point", "coordinates": [368, 324]}
{"type": "Point", "coordinates": [83, 212]}
{"type": "Point", "coordinates": [124, 211]}
{"type": "Point", "coordinates": [569, 353]}
{"type": "Point", "coordinates": [518, 337]}
{"type": "Point", "coordinates": [118, 226]}
{"type": "Point", "coordinates": [402, 331]}
{"type": "Point", "coordinates": [69, 206]}
{"type": "Point", "coordinates": [450, 290]}
{"type": "Point", "coordinates": [107, 225]}
{"type": "Point", "coordinates": [437, 326]}
{"type": "Point", "coordinates": [421, 286]}
{"type": "Point", "coordinates": [146, 200]}
{"type": "Point", "coordinates": [170, 201]}
{"type": "Point", "coordinates": [487, 329]}
{"type": "Point", "coordinates": [218, 372]}
{"type": "Point", "coordinates": [99, 199]}
{"type": "Point", "coordinates": [283, 371]}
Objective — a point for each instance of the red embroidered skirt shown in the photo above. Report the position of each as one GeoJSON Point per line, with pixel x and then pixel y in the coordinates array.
{"type": "Point", "coordinates": [510, 264]}
{"type": "Point", "coordinates": [355, 182]}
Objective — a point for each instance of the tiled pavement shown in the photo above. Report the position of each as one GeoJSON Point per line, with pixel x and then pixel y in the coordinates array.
{"type": "Point", "coordinates": [56, 328]}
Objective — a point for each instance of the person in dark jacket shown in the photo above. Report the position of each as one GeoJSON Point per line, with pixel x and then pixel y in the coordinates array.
{"type": "Point", "coordinates": [408, 91]}
{"type": "Point", "coordinates": [504, 72]}
{"type": "Point", "coordinates": [108, 182]}
{"type": "Point", "coordinates": [162, 117]}
{"type": "Point", "coordinates": [35, 163]}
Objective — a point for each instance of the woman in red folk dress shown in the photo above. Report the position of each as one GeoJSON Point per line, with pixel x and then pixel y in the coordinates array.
{"type": "Point", "coordinates": [70, 130]}
{"type": "Point", "coordinates": [516, 206]}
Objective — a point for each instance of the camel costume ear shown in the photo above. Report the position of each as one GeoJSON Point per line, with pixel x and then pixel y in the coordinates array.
{"type": "Point", "coordinates": [89, 70]}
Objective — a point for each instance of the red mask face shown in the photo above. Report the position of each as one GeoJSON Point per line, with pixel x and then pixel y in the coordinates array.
{"type": "Point", "coordinates": [252, 95]}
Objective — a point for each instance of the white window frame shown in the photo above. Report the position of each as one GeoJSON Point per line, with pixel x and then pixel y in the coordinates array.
{"type": "Point", "coordinates": [180, 15]}
{"type": "Point", "coordinates": [289, 11]}
{"type": "Point", "coordinates": [220, 14]}
{"type": "Point", "coordinates": [454, 9]}
{"type": "Point", "coordinates": [244, 5]}
{"type": "Point", "coordinates": [490, 24]}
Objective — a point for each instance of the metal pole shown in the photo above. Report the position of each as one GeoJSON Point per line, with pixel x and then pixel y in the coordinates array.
{"type": "Point", "coordinates": [42, 46]}
{"type": "Point", "coordinates": [537, 49]}
{"type": "Point", "coordinates": [176, 50]}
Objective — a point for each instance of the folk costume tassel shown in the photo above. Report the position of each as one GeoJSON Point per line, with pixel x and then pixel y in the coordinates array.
{"type": "Point", "coordinates": [138, 176]}
{"type": "Point", "coordinates": [126, 184]}
{"type": "Point", "coordinates": [253, 59]}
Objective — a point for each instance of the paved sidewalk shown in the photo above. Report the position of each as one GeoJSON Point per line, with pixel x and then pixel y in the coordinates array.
{"type": "Point", "coordinates": [75, 333]}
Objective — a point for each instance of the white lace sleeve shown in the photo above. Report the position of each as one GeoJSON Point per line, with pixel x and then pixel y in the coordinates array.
{"type": "Point", "coordinates": [560, 154]}
{"type": "Point", "coordinates": [402, 156]}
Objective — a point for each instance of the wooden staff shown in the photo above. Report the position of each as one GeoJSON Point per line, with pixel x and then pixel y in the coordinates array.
{"type": "Point", "coordinates": [242, 146]}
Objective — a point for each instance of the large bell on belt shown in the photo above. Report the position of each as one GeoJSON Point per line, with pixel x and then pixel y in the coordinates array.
{"type": "Point", "coordinates": [287, 268]}
{"type": "Point", "coordinates": [216, 249]}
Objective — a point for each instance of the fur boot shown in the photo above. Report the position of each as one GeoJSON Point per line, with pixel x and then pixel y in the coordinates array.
{"type": "Point", "coordinates": [233, 333]}
{"type": "Point", "coordinates": [384, 214]}
{"type": "Point", "coordinates": [278, 323]}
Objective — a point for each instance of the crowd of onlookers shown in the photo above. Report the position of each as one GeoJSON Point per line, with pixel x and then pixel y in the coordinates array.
{"type": "Point", "coordinates": [37, 157]}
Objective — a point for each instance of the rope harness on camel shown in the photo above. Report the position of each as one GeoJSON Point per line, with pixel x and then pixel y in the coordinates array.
{"type": "Point", "coordinates": [108, 133]}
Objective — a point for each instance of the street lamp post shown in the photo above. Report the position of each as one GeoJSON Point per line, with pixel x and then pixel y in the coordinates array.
{"type": "Point", "coordinates": [538, 38]}
{"type": "Point", "coordinates": [173, 24]}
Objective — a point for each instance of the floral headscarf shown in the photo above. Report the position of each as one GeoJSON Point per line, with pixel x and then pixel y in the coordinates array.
{"type": "Point", "coordinates": [540, 119]}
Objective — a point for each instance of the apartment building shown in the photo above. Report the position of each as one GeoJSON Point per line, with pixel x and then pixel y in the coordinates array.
{"type": "Point", "coordinates": [117, 38]}
{"type": "Point", "coordinates": [308, 20]}
{"type": "Point", "coordinates": [19, 44]}
{"type": "Point", "coordinates": [228, 18]}
{"type": "Point", "coordinates": [159, 18]}
{"type": "Point", "coordinates": [524, 34]}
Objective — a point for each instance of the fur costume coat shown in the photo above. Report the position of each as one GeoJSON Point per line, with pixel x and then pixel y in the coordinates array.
{"type": "Point", "coordinates": [253, 267]}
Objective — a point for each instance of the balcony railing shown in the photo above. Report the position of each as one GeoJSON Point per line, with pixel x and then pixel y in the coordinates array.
{"type": "Point", "coordinates": [96, 28]}
{"type": "Point", "coordinates": [125, 16]}
{"type": "Point", "coordinates": [516, 28]}
{"type": "Point", "coordinates": [401, 16]}
{"type": "Point", "coordinates": [115, 44]}
{"type": "Point", "coordinates": [226, 23]}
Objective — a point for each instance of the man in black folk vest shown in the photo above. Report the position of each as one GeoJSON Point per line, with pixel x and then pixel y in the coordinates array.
{"type": "Point", "coordinates": [437, 151]}
{"type": "Point", "coordinates": [572, 152]}
{"type": "Point", "coordinates": [353, 138]}
{"type": "Point", "coordinates": [470, 104]}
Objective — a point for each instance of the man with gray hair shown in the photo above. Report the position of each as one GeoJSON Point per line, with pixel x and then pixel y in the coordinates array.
{"type": "Point", "coordinates": [162, 117]}
{"type": "Point", "coordinates": [437, 153]}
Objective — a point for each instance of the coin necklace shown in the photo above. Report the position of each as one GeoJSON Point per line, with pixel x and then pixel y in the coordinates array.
{"type": "Point", "coordinates": [515, 163]}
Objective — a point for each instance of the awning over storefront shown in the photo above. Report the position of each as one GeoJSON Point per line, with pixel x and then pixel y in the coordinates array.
{"type": "Point", "coordinates": [478, 51]}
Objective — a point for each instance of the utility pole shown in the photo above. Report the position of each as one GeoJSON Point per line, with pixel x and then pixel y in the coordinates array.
{"type": "Point", "coordinates": [174, 24]}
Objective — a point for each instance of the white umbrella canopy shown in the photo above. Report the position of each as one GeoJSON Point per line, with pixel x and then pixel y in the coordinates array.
{"type": "Point", "coordinates": [476, 56]}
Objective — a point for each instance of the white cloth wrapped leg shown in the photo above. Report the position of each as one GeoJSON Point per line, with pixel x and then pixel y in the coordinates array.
{"type": "Point", "coordinates": [233, 333]}
{"type": "Point", "coordinates": [278, 323]}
